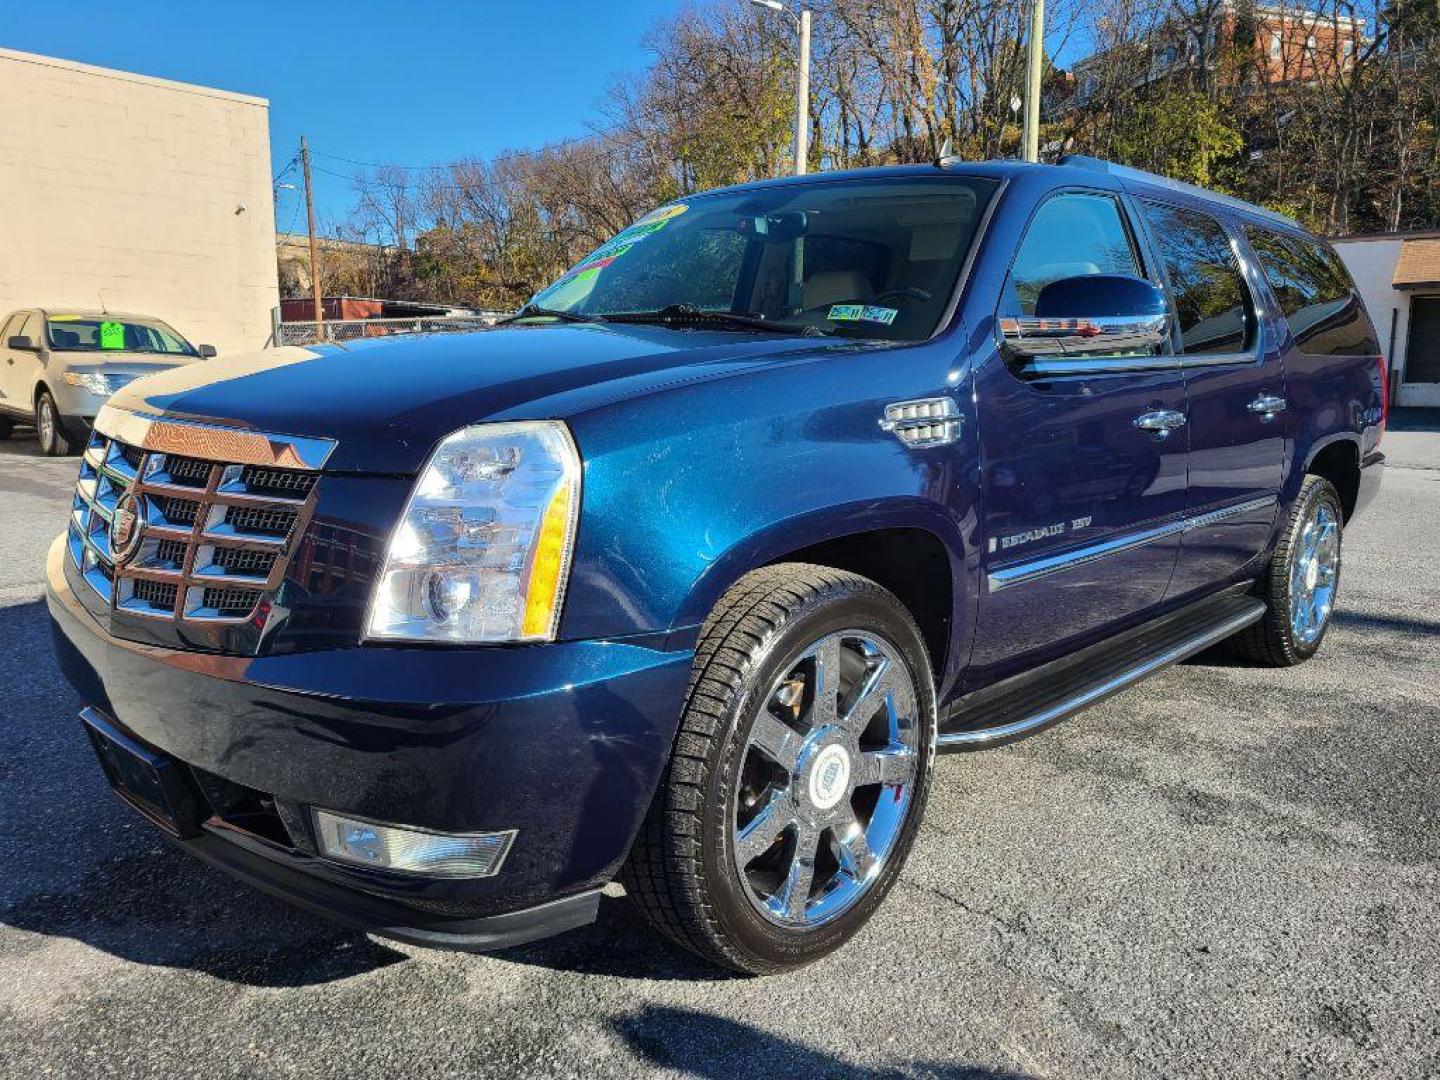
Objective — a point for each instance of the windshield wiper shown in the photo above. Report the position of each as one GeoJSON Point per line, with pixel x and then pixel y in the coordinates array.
{"type": "Point", "coordinates": [689, 314]}
{"type": "Point", "coordinates": [534, 311]}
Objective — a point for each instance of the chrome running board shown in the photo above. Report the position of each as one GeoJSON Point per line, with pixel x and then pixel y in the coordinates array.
{"type": "Point", "coordinates": [1034, 700]}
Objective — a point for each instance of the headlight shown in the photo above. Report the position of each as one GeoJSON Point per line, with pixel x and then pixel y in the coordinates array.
{"type": "Point", "coordinates": [483, 550]}
{"type": "Point", "coordinates": [97, 382]}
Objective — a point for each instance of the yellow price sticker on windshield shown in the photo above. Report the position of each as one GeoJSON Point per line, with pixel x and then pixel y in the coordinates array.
{"type": "Point", "coordinates": [112, 335]}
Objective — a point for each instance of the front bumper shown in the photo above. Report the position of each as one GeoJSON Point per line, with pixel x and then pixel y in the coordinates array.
{"type": "Point", "coordinates": [564, 743]}
{"type": "Point", "coordinates": [78, 407]}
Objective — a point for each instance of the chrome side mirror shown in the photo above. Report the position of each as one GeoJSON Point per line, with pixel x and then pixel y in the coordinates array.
{"type": "Point", "coordinates": [1091, 315]}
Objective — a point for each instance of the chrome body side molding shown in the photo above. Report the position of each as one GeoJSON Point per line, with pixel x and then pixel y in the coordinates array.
{"type": "Point", "coordinates": [1038, 568]}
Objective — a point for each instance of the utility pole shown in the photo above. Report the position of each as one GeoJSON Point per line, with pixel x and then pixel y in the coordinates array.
{"type": "Point", "coordinates": [1032, 80]}
{"type": "Point", "coordinates": [802, 98]}
{"type": "Point", "coordinates": [314, 248]}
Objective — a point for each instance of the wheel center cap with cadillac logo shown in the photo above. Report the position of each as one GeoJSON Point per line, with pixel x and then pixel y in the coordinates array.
{"type": "Point", "coordinates": [830, 777]}
{"type": "Point", "coordinates": [127, 527]}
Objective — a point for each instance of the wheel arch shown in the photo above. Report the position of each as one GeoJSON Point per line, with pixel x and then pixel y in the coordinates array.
{"type": "Point", "coordinates": [1338, 461]}
{"type": "Point", "coordinates": [910, 547]}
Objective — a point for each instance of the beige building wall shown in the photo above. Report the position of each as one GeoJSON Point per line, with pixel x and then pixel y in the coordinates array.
{"type": "Point", "coordinates": [1371, 261]}
{"type": "Point", "coordinates": [130, 188]}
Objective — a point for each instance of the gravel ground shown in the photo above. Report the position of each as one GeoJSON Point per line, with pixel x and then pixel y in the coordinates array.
{"type": "Point", "coordinates": [1231, 871]}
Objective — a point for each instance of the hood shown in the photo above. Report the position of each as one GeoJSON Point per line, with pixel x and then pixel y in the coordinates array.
{"type": "Point", "coordinates": [387, 401]}
{"type": "Point", "coordinates": [137, 365]}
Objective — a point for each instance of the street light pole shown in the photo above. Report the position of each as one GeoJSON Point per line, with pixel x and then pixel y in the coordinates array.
{"type": "Point", "coordinates": [802, 82]}
{"type": "Point", "coordinates": [802, 98]}
{"type": "Point", "coordinates": [1032, 80]}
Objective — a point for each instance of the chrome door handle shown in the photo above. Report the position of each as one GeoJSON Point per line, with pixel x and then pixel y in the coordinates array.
{"type": "Point", "coordinates": [1267, 405]}
{"type": "Point", "coordinates": [1161, 422]}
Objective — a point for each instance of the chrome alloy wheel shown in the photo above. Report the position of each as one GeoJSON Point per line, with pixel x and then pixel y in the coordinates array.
{"type": "Point", "coordinates": [826, 779]}
{"type": "Point", "coordinates": [45, 423]}
{"type": "Point", "coordinates": [1314, 573]}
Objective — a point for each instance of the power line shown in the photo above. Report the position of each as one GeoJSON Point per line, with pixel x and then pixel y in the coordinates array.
{"type": "Point", "coordinates": [570, 141]}
{"type": "Point", "coordinates": [288, 166]}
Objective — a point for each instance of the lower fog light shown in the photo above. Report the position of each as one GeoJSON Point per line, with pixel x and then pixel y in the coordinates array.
{"type": "Point", "coordinates": [411, 851]}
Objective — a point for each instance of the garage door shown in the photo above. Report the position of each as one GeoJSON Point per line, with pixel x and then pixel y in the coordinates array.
{"type": "Point", "coordinates": [1422, 354]}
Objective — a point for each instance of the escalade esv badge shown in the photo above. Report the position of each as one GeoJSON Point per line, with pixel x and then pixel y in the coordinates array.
{"type": "Point", "coordinates": [128, 528]}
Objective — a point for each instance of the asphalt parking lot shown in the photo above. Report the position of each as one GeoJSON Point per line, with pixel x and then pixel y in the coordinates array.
{"type": "Point", "coordinates": [1230, 871]}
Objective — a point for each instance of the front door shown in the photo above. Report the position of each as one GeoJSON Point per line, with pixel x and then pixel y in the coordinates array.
{"type": "Point", "coordinates": [1232, 348]}
{"type": "Point", "coordinates": [1078, 502]}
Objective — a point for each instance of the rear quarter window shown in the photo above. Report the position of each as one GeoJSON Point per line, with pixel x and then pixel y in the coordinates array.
{"type": "Point", "coordinates": [1315, 293]}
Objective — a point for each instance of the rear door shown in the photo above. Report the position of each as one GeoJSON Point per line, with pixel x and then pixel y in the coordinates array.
{"type": "Point", "coordinates": [1078, 503]}
{"type": "Point", "coordinates": [1231, 346]}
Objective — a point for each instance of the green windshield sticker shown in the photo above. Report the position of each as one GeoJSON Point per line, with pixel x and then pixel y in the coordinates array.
{"type": "Point", "coordinates": [112, 335]}
{"type": "Point", "coordinates": [618, 245]}
{"type": "Point", "coordinates": [862, 313]}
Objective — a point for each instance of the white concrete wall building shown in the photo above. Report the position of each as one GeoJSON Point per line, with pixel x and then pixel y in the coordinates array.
{"type": "Point", "coordinates": [153, 195]}
{"type": "Point", "coordinates": [1398, 275]}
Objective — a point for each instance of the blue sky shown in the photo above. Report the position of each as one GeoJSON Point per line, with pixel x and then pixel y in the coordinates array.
{"type": "Point", "coordinates": [414, 83]}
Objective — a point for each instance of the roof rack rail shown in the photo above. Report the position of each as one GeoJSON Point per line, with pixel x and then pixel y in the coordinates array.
{"type": "Point", "coordinates": [1080, 161]}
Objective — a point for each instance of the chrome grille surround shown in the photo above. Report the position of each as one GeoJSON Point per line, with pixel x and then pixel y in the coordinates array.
{"type": "Point", "coordinates": [206, 554]}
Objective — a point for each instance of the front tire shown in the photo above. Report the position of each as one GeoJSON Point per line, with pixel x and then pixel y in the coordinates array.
{"type": "Point", "coordinates": [1300, 583]}
{"type": "Point", "coordinates": [799, 773]}
{"type": "Point", "coordinates": [7, 427]}
{"type": "Point", "coordinates": [50, 429]}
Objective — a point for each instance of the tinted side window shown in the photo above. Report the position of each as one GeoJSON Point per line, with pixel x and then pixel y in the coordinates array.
{"type": "Point", "coordinates": [34, 329]}
{"type": "Point", "coordinates": [1210, 294]}
{"type": "Point", "coordinates": [12, 327]}
{"type": "Point", "coordinates": [1071, 235]}
{"type": "Point", "coordinates": [1315, 293]}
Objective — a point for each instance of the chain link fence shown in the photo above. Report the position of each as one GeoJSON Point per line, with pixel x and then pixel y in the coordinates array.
{"type": "Point", "coordinates": [313, 333]}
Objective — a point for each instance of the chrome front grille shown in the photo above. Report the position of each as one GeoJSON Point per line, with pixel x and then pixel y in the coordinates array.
{"type": "Point", "coordinates": [214, 536]}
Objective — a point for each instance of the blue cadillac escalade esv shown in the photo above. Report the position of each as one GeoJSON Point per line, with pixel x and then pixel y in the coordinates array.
{"type": "Point", "coordinates": [682, 577]}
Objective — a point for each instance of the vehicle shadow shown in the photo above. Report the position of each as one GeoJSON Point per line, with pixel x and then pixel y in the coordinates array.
{"type": "Point", "coordinates": [1219, 656]}
{"type": "Point", "coordinates": [80, 864]}
{"type": "Point", "coordinates": [21, 443]}
{"type": "Point", "coordinates": [1413, 419]}
{"type": "Point", "coordinates": [701, 1045]}
{"type": "Point", "coordinates": [619, 944]}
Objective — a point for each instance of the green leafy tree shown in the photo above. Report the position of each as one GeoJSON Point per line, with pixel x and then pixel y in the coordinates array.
{"type": "Point", "coordinates": [1181, 134]}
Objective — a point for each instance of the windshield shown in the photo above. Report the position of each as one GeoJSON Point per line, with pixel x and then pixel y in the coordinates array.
{"type": "Point", "coordinates": [104, 333]}
{"type": "Point", "coordinates": [854, 258]}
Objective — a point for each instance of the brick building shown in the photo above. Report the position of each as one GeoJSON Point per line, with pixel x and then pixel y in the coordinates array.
{"type": "Point", "coordinates": [1283, 44]}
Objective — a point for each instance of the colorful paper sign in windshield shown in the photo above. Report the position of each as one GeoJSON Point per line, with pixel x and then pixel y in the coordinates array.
{"type": "Point", "coordinates": [862, 313]}
{"type": "Point", "coordinates": [112, 335]}
{"type": "Point", "coordinates": [623, 241]}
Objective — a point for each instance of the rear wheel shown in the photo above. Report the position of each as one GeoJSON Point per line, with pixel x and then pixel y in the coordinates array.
{"type": "Point", "coordinates": [799, 773]}
{"type": "Point", "coordinates": [49, 428]}
{"type": "Point", "coordinates": [1300, 583]}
